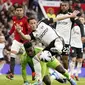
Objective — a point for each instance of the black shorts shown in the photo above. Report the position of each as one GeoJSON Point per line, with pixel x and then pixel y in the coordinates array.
{"type": "Point", "coordinates": [51, 45]}
{"type": "Point", "coordinates": [76, 52]}
{"type": "Point", "coordinates": [65, 51]}
{"type": "Point", "coordinates": [1, 59]}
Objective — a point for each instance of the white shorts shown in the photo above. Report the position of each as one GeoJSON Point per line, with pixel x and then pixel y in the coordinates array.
{"type": "Point", "coordinates": [16, 46]}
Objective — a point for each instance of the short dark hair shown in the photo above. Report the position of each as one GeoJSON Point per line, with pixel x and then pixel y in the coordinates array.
{"type": "Point", "coordinates": [19, 6]}
{"type": "Point", "coordinates": [31, 17]}
{"type": "Point", "coordinates": [27, 44]}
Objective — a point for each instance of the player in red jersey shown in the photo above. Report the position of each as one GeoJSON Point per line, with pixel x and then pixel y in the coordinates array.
{"type": "Point", "coordinates": [17, 43]}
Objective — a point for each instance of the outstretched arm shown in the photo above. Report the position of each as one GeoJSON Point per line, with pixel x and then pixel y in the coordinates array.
{"type": "Point", "coordinates": [72, 15]}
{"type": "Point", "coordinates": [51, 20]}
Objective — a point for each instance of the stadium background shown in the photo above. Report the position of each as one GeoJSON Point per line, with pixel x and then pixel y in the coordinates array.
{"type": "Point", "coordinates": [17, 68]}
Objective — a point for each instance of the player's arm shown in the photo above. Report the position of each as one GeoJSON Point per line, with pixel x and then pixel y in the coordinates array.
{"type": "Point", "coordinates": [23, 65]}
{"type": "Point", "coordinates": [10, 32]}
{"type": "Point", "coordinates": [71, 15]}
{"type": "Point", "coordinates": [25, 37]}
{"type": "Point", "coordinates": [78, 22]}
{"type": "Point", "coordinates": [51, 20]}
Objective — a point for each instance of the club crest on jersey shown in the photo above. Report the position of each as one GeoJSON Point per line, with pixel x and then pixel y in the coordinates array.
{"type": "Point", "coordinates": [21, 23]}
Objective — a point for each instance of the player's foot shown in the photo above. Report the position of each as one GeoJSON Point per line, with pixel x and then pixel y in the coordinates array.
{"type": "Point", "coordinates": [72, 82]}
{"type": "Point", "coordinates": [37, 83]}
{"type": "Point", "coordinates": [33, 78]}
{"type": "Point", "coordinates": [26, 83]}
{"type": "Point", "coordinates": [10, 76]}
{"type": "Point", "coordinates": [72, 76]}
{"type": "Point", "coordinates": [77, 78]}
{"type": "Point", "coordinates": [62, 80]}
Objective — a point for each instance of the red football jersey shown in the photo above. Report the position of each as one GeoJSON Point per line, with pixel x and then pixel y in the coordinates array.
{"type": "Point", "coordinates": [25, 28]}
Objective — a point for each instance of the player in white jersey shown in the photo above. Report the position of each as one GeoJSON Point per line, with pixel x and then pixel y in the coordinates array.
{"type": "Point", "coordinates": [53, 43]}
{"type": "Point", "coordinates": [63, 28]}
{"type": "Point", "coordinates": [2, 45]}
{"type": "Point", "coordinates": [76, 50]}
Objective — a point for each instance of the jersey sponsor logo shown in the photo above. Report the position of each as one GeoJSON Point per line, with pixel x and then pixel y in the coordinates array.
{"type": "Point", "coordinates": [64, 23]}
{"type": "Point", "coordinates": [43, 33]}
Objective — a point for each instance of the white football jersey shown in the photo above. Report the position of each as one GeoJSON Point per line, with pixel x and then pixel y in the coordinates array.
{"type": "Point", "coordinates": [76, 37]}
{"type": "Point", "coordinates": [84, 29]}
{"type": "Point", "coordinates": [63, 28]}
{"type": "Point", "coordinates": [2, 45]}
{"type": "Point", "coordinates": [45, 33]}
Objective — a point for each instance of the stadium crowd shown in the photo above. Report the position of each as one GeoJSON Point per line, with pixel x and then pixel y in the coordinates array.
{"type": "Point", "coordinates": [8, 15]}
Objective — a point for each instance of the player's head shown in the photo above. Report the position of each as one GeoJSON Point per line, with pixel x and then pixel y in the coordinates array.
{"type": "Point", "coordinates": [29, 49]}
{"type": "Point", "coordinates": [33, 22]}
{"type": "Point", "coordinates": [64, 6]}
{"type": "Point", "coordinates": [19, 11]}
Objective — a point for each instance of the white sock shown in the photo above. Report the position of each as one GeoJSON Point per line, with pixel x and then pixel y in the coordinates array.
{"type": "Point", "coordinates": [1, 66]}
{"type": "Point", "coordinates": [37, 67]}
{"type": "Point", "coordinates": [71, 67]}
{"type": "Point", "coordinates": [78, 68]}
{"type": "Point", "coordinates": [55, 74]}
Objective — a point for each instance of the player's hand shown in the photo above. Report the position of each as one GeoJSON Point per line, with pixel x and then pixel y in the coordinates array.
{"type": "Point", "coordinates": [18, 28]}
{"type": "Point", "coordinates": [75, 13]}
{"type": "Point", "coordinates": [83, 39]}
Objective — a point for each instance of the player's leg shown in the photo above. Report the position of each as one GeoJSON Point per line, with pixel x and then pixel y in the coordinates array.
{"type": "Point", "coordinates": [57, 66]}
{"type": "Point", "coordinates": [23, 60]}
{"type": "Point", "coordinates": [37, 67]}
{"type": "Point", "coordinates": [47, 80]}
{"type": "Point", "coordinates": [73, 54]}
{"type": "Point", "coordinates": [41, 73]}
{"type": "Point", "coordinates": [65, 56]}
{"type": "Point", "coordinates": [30, 62]}
{"type": "Point", "coordinates": [55, 75]}
{"type": "Point", "coordinates": [79, 62]}
{"type": "Point", "coordinates": [14, 50]}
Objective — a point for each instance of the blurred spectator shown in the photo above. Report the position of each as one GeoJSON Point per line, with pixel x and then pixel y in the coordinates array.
{"type": "Point", "coordinates": [1, 5]}
{"type": "Point", "coordinates": [30, 3]}
{"type": "Point", "coordinates": [7, 4]}
{"type": "Point", "coordinates": [35, 5]}
{"type": "Point", "coordinates": [82, 1]}
{"type": "Point", "coordinates": [25, 7]}
{"type": "Point", "coordinates": [11, 12]}
{"type": "Point", "coordinates": [50, 13]}
{"type": "Point", "coordinates": [15, 5]}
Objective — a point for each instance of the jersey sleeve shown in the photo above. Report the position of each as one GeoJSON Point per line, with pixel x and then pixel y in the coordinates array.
{"type": "Point", "coordinates": [78, 22]}
{"type": "Point", "coordinates": [12, 30]}
{"type": "Point", "coordinates": [32, 36]}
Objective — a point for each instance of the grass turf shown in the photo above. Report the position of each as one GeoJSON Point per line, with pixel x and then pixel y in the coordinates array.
{"type": "Point", "coordinates": [18, 81]}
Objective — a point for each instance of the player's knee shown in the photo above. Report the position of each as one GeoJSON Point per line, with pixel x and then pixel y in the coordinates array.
{"type": "Point", "coordinates": [13, 55]}
{"type": "Point", "coordinates": [47, 80]}
{"type": "Point", "coordinates": [60, 69]}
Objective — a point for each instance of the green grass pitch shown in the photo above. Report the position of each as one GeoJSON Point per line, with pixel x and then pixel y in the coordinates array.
{"type": "Point", "coordinates": [18, 81]}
